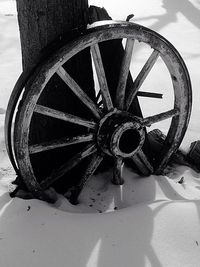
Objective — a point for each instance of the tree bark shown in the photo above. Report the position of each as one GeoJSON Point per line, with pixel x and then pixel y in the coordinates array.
{"type": "Point", "coordinates": [43, 21]}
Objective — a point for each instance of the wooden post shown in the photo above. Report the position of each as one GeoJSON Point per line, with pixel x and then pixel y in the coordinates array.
{"type": "Point", "coordinates": [41, 22]}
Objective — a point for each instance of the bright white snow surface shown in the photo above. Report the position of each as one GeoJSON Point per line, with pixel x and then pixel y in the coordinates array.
{"type": "Point", "coordinates": [151, 221]}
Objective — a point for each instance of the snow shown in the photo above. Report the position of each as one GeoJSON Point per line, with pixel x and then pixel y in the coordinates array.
{"type": "Point", "coordinates": [152, 221]}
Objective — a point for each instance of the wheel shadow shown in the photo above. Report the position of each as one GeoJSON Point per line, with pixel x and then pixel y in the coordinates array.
{"type": "Point", "coordinates": [133, 227]}
{"type": "Point", "coordinates": [120, 238]}
{"type": "Point", "coordinates": [47, 236]}
{"type": "Point", "coordinates": [121, 234]}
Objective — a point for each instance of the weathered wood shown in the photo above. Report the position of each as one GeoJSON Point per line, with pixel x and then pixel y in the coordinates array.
{"type": "Point", "coordinates": [78, 91]}
{"type": "Point", "coordinates": [141, 77]}
{"type": "Point", "coordinates": [97, 14]}
{"type": "Point", "coordinates": [148, 94]}
{"type": "Point", "coordinates": [41, 22]}
{"type": "Point", "coordinates": [66, 167]}
{"type": "Point", "coordinates": [64, 116]}
{"type": "Point", "coordinates": [148, 121]}
{"type": "Point", "coordinates": [139, 93]}
{"type": "Point", "coordinates": [55, 144]}
{"type": "Point", "coordinates": [142, 163]}
{"type": "Point", "coordinates": [106, 99]}
{"type": "Point", "coordinates": [92, 167]}
{"type": "Point", "coordinates": [123, 75]}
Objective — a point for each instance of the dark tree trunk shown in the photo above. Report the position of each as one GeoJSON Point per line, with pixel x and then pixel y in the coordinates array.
{"type": "Point", "coordinates": [43, 21]}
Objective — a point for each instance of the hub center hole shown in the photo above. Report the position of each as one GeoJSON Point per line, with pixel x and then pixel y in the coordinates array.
{"type": "Point", "coordinates": [129, 141]}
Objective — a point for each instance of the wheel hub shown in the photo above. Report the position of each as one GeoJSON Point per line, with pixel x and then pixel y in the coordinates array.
{"type": "Point", "coordinates": [120, 134]}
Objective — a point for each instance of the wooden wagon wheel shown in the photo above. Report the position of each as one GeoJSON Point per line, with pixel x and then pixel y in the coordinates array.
{"type": "Point", "coordinates": [110, 123]}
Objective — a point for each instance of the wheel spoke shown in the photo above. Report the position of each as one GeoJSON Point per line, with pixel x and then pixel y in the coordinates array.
{"type": "Point", "coordinates": [93, 165]}
{"type": "Point", "coordinates": [45, 146]}
{"type": "Point", "coordinates": [143, 163]}
{"type": "Point", "coordinates": [126, 61]}
{"type": "Point", "coordinates": [78, 91]}
{"type": "Point", "coordinates": [141, 77]}
{"type": "Point", "coordinates": [61, 171]}
{"type": "Point", "coordinates": [96, 55]}
{"type": "Point", "coordinates": [64, 116]}
{"type": "Point", "coordinates": [148, 121]}
{"type": "Point", "coordinates": [117, 172]}
{"type": "Point", "coordinates": [149, 94]}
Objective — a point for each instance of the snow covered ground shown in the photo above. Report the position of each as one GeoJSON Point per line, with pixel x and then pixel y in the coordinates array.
{"type": "Point", "coordinates": [151, 221]}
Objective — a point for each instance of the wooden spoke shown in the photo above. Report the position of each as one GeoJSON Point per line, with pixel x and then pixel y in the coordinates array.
{"type": "Point", "coordinates": [126, 61]}
{"type": "Point", "coordinates": [64, 116]}
{"type": "Point", "coordinates": [93, 165]}
{"type": "Point", "coordinates": [117, 171]}
{"type": "Point", "coordinates": [148, 121]}
{"type": "Point", "coordinates": [142, 163]}
{"type": "Point", "coordinates": [56, 174]}
{"type": "Point", "coordinates": [145, 160]}
{"type": "Point", "coordinates": [45, 146]}
{"type": "Point", "coordinates": [141, 77]}
{"type": "Point", "coordinates": [78, 91]}
{"type": "Point", "coordinates": [149, 94]}
{"type": "Point", "coordinates": [96, 55]}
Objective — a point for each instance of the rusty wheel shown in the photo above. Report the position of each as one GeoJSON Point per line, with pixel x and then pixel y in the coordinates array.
{"type": "Point", "coordinates": [113, 125]}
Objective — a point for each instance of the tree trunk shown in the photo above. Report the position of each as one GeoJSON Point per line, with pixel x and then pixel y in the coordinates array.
{"type": "Point", "coordinates": [43, 21]}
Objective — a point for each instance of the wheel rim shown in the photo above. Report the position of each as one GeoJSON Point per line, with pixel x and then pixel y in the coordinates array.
{"type": "Point", "coordinates": [94, 147]}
